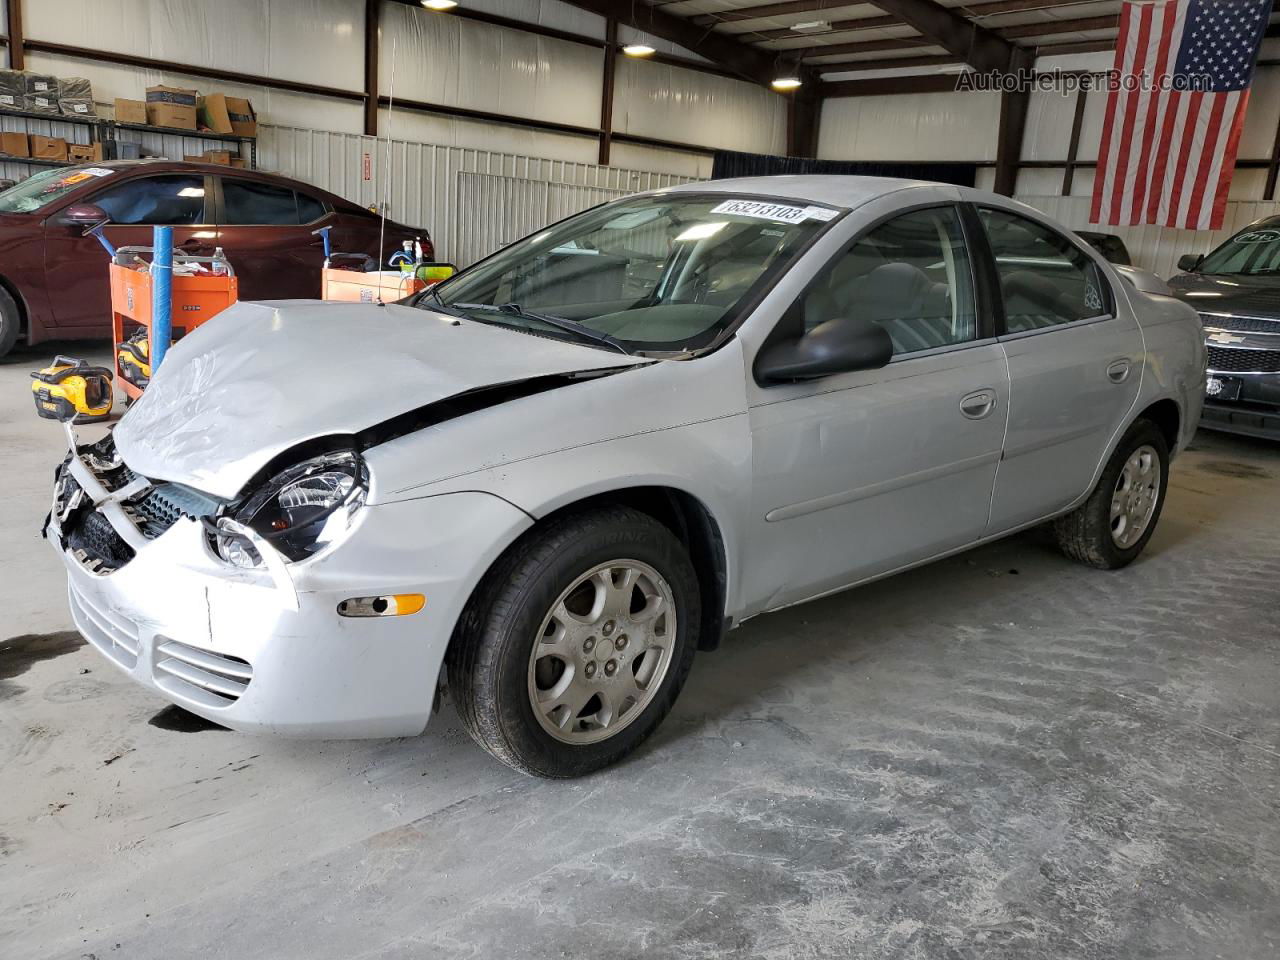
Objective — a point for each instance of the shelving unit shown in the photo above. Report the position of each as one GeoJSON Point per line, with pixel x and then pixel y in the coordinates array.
{"type": "Point", "coordinates": [37, 161]}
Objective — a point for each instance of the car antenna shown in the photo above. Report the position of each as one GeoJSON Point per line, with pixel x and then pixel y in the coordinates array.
{"type": "Point", "coordinates": [386, 194]}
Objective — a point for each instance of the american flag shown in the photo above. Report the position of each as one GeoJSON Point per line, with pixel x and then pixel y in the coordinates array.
{"type": "Point", "coordinates": [1169, 144]}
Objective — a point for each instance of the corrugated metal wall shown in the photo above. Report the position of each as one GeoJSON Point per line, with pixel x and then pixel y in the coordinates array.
{"type": "Point", "coordinates": [1155, 248]}
{"type": "Point", "coordinates": [472, 201]}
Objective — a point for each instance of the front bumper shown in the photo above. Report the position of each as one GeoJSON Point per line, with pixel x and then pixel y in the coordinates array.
{"type": "Point", "coordinates": [246, 651]}
{"type": "Point", "coordinates": [1256, 413]}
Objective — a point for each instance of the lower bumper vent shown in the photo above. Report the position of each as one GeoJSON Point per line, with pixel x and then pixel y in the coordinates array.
{"type": "Point", "coordinates": [208, 678]}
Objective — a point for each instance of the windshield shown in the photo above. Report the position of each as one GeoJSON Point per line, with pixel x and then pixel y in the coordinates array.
{"type": "Point", "coordinates": [1252, 252]}
{"type": "Point", "coordinates": [37, 192]}
{"type": "Point", "coordinates": [650, 273]}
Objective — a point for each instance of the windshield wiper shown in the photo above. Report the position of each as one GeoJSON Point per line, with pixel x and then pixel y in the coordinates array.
{"type": "Point", "coordinates": [560, 323]}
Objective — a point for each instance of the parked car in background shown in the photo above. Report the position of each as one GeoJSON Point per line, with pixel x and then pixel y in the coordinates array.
{"type": "Point", "coordinates": [1236, 291]}
{"type": "Point", "coordinates": [606, 444]}
{"type": "Point", "coordinates": [1107, 244]}
{"type": "Point", "coordinates": [53, 278]}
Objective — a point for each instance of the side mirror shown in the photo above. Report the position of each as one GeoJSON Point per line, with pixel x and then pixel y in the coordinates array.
{"type": "Point", "coordinates": [83, 214]}
{"type": "Point", "coordinates": [1190, 262]}
{"type": "Point", "coordinates": [841, 345]}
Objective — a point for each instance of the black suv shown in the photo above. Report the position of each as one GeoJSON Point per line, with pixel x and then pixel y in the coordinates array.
{"type": "Point", "coordinates": [1236, 291]}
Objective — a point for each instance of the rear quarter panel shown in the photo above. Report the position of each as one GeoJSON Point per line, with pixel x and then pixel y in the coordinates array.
{"type": "Point", "coordinates": [1175, 356]}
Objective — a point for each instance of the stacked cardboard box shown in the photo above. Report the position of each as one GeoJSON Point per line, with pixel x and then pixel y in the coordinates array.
{"type": "Point", "coordinates": [48, 148]}
{"type": "Point", "coordinates": [172, 107]}
{"type": "Point", "coordinates": [233, 115]}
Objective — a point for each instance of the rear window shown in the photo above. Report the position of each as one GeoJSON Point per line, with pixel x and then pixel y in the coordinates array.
{"type": "Point", "coordinates": [309, 208]}
{"type": "Point", "coordinates": [246, 202]}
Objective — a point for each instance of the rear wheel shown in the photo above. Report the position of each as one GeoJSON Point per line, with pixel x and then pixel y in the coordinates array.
{"type": "Point", "coordinates": [10, 322]}
{"type": "Point", "coordinates": [1111, 528]}
{"type": "Point", "coordinates": [577, 643]}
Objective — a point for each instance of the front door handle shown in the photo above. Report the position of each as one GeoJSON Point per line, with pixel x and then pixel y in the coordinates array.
{"type": "Point", "coordinates": [1118, 370]}
{"type": "Point", "coordinates": [978, 404]}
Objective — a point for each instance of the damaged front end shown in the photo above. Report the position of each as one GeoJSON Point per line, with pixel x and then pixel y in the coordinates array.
{"type": "Point", "coordinates": [103, 512]}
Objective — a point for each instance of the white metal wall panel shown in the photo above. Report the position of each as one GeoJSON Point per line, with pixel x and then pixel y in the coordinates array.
{"type": "Point", "coordinates": [696, 166]}
{"type": "Point", "coordinates": [690, 106]}
{"type": "Point", "coordinates": [1155, 248]}
{"type": "Point", "coordinates": [508, 138]}
{"type": "Point", "coordinates": [442, 59]}
{"type": "Point", "coordinates": [112, 80]}
{"type": "Point", "coordinates": [910, 126]}
{"type": "Point", "coordinates": [546, 13]}
{"type": "Point", "coordinates": [311, 41]}
{"type": "Point", "coordinates": [1048, 131]}
{"type": "Point", "coordinates": [439, 187]}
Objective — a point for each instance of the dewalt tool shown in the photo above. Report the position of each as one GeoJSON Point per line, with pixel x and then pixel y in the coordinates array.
{"type": "Point", "coordinates": [133, 359]}
{"type": "Point", "coordinates": [72, 389]}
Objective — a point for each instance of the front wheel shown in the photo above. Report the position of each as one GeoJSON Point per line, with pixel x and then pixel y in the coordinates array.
{"type": "Point", "coordinates": [577, 643]}
{"type": "Point", "coordinates": [1110, 529]}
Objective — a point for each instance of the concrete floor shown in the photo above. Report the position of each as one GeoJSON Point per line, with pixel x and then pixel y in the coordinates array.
{"type": "Point", "coordinates": [1002, 755]}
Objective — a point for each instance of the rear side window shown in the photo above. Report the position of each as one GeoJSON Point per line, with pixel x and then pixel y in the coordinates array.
{"type": "Point", "coordinates": [309, 208]}
{"type": "Point", "coordinates": [1045, 279]}
{"type": "Point", "coordinates": [175, 200]}
{"type": "Point", "coordinates": [246, 202]}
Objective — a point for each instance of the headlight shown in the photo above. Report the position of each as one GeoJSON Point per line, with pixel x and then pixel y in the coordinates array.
{"type": "Point", "coordinates": [300, 511]}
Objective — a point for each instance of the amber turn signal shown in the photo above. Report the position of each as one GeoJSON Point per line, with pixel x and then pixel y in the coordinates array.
{"type": "Point", "coordinates": [392, 605]}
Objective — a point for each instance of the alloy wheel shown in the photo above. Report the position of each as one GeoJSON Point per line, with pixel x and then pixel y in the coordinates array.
{"type": "Point", "coordinates": [1133, 502]}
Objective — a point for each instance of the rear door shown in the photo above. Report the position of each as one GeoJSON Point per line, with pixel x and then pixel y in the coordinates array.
{"type": "Point", "coordinates": [1075, 365]}
{"type": "Point", "coordinates": [267, 232]}
{"type": "Point", "coordinates": [76, 265]}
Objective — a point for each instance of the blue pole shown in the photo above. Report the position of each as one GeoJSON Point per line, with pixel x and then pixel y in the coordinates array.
{"type": "Point", "coordinates": [161, 294]}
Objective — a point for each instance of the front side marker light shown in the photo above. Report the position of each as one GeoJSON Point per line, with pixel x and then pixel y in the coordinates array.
{"type": "Point", "coordinates": [391, 605]}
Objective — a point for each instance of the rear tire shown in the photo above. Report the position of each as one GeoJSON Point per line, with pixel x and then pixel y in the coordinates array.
{"type": "Point", "coordinates": [1112, 527]}
{"type": "Point", "coordinates": [574, 647]}
{"type": "Point", "coordinates": [10, 322]}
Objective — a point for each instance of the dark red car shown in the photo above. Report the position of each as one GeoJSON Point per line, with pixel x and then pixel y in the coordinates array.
{"type": "Point", "coordinates": [53, 278]}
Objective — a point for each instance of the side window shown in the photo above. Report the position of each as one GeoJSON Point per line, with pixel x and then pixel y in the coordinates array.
{"type": "Point", "coordinates": [247, 202]}
{"type": "Point", "coordinates": [176, 200]}
{"type": "Point", "coordinates": [911, 275]}
{"type": "Point", "coordinates": [309, 208]}
{"type": "Point", "coordinates": [1045, 279]}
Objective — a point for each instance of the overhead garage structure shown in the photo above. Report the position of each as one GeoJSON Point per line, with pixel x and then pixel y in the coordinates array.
{"type": "Point", "coordinates": [637, 478]}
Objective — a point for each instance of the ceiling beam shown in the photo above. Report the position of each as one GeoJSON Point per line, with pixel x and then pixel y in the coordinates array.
{"type": "Point", "coordinates": [770, 10]}
{"type": "Point", "coordinates": [977, 46]}
{"type": "Point", "coordinates": [891, 63]}
{"type": "Point", "coordinates": [750, 63]}
{"type": "Point", "coordinates": [973, 10]}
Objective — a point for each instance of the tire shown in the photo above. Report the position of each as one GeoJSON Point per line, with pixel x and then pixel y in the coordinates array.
{"type": "Point", "coordinates": [10, 322]}
{"type": "Point", "coordinates": [1093, 534]}
{"type": "Point", "coordinates": [547, 626]}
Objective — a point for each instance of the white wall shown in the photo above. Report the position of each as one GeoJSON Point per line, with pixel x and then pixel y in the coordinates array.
{"type": "Point", "coordinates": [435, 58]}
{"type": "Point", "coordinates": [910, 126]}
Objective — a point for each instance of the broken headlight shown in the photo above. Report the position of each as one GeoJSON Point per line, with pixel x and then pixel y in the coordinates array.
{"type": "Point", "coordinates": [300, 511]}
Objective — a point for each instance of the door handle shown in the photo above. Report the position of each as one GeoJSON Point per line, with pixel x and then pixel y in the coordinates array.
{"type": "Point", "coordinates": [978, 404]}
{"type": "Point", "coordinates": [191, 243]}
{"type": "Point", "coordinates": [1118, 370]}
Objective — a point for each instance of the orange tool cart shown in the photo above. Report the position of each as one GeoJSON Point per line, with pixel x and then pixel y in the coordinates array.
{"type": "Point", "coordinates": [196, 298]}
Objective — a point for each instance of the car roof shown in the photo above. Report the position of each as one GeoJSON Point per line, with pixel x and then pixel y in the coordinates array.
{"type": "Point", "coordinates": [839, 191]}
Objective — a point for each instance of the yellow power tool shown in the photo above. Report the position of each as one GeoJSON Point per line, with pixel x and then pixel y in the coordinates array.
{"type": "Point", "coordinates": [133, 359]}
{"type": "Point", "coordinates": [70, 388]}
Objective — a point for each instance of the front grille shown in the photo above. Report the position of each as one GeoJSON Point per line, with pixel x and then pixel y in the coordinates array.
{"type": "Point", "coordinates": [208, 678]}
{"type": "Point", "coordinates": [112, 633]}
{"type": "Point", "coordinates": [164, 504]}
{"type": "Point", "coordinates": [1228, 360]}
{"type": "Point", "coordinates": [95, 543]}
{"type": "Point", "coordinates": [1246, 324]}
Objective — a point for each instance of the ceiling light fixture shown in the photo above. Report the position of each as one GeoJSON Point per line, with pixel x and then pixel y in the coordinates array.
{"type": "Point", "coordinates": [638, 50]}
{"type": "Point", "coordinates": [786, 83]}
{"type": "Point", "coordinates": [439, 5]}
{"type": "Point", "coordinates": [812, 26]}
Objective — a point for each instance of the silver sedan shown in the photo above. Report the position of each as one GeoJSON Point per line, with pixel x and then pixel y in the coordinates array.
{"type": "Point", "coordinates": [552, 479]}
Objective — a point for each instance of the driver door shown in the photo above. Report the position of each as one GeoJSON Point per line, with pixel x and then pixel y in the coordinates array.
{"type": "Point", "coordinates": [860, 473]}
{"type": "Point", "coordinates": [76, 265]}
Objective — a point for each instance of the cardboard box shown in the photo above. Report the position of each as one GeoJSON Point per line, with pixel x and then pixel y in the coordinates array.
{"type": "Point", "coordinates": [172, 107]}
{"type": "Point", "coordinates": [15, 145]}
{"type": "Point", "coordinates": [223, 114]}
{"type": "Point", "coordinates": [48, 148]}
{"type": "Point", "coordinates": [238, 163]}
{"type": "Point", "coordinates": [218, 156]}
{"type": "Point", "coordinates": [131, 111]}
{"type": "Point", "coordinates": [84, 152]}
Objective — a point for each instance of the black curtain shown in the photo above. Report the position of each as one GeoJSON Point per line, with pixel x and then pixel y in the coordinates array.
{"type": "Point", "coordinates": [729, 163]}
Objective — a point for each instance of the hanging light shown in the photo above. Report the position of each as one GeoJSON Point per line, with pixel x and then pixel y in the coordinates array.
{"type": "Point", "coordinates": [638, 50]}
{"type": "Point", "coordinates": [440, 5]}
{"type": "Point", "coordinates": [786, 83]}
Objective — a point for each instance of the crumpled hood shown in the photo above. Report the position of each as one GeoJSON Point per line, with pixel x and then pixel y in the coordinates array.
{"type": "Point", "coordinates": [1229, 294]}
{"type": "Point", "coordinates": [261, 378]}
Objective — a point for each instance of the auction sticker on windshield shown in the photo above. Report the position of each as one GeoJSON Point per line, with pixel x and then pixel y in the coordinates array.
{"type": "Point", "coordinates": [780, 212]}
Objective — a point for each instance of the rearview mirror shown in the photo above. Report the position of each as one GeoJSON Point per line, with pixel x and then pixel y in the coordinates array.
{"type": "Point", "coordinates": [841, 345]}
{"type": "Point", "coordinates": [1190, 262]}
{"type": "Point", "coordinates": [83, 214]}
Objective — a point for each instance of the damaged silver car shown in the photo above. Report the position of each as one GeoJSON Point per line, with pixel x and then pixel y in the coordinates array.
{"type": "Point", "coordinates": [550, 480]}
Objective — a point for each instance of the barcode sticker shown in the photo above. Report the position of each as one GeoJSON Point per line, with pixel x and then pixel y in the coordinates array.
{"type": "Point", "coordinates": [778, 212]}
